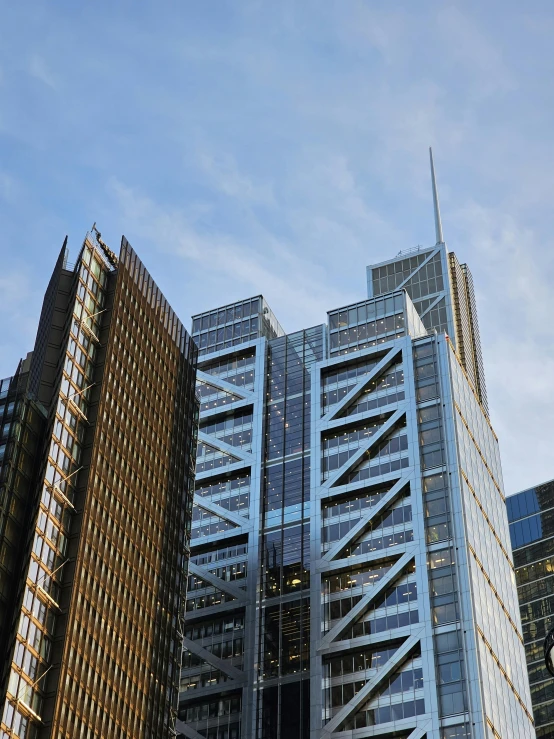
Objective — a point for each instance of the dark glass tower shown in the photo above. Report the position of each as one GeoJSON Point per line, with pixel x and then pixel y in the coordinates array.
{"type": "Point", "coordinates": [531, 516]}
{"type": "Point", "coordinates": [22, 423]}
{"type": "Point", "coordinates": [107, 414]}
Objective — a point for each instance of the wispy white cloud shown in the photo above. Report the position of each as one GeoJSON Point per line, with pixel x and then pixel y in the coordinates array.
{"type": "Point", "coordinates": [224, 175]}
{"type": "Point", "coordinates": [18, 323]}
{"type": "Point", "coordinates": [280, 147]}
{"type": "Point", "coordinates": [515, 283]}
{"type": "Point", "coordinates": [477, 52]}
{"type": "Point", "coordinates": [38, 69]}
{"type": "Point", "coordinates": [14, 287]}
{"type": "Point", "coordinates": [297, 283]}
{"type": "Point", "coordinates": [10, 188]}
{"type": "Point", "coordinates": [515, 302]}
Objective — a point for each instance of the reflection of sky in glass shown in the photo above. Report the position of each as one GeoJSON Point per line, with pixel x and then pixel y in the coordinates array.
{"type": "Point", "coordinates": [524, 526]}
{"type": "Point", "coordinates": [526, 531]}
{"type": "Point", "coordinates": [522, 505]}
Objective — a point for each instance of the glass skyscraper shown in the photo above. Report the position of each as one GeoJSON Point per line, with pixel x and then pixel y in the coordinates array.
{"type": "Point", "coordinates": [443, 295]}
{"type": "Point", "coordinates": [350, 574]}
{"type": "Point", "coordinates": [531, 516]}
{"type": "Point", "coordinates": [97, 445]}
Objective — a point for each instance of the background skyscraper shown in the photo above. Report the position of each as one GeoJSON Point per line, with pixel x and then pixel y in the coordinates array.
{"type": "Point", "coordinates": [531, 516]}
{"type": "Point", "coordinates": [349, 572]}
{"type": "Point", "coordinates": [97, 462]}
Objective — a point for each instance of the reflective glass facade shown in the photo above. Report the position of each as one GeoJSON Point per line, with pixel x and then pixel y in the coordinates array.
{"type": "Point", "coordinates": [95, 643]}
{"type": "Point", "coordinates": [531, 516]}
{"type": "Point", "coordinates": [22, 423]}
{"type": "Point", "coordinates": [349, 572]}
{"type": "Point", "coordinates": [234, 324]}
{"type": "Point", "coordinates": [443, 295]}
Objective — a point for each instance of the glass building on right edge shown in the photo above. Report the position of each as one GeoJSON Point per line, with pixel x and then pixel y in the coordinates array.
{"type": "Point", "coordinates": [531, 516]}
{"type": "Point", "coordinates": [350, 569]}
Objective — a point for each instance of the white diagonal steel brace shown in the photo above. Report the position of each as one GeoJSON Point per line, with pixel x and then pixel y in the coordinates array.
{"type": "Point", "coordinates": [221, 664]}
{"type": "Point", "coordinates": [355, 458]}
{"type": "Point", "coordinates": [341, 565]}
{"type": "Point", "coordinates": [337, 424]}
{"type": "Point", "coordinates": [387, 500]}
{"type": "Point", "coordinates": [364, 694]}
{"type": "Point", "coordinates": [240, 464]}
{"type": "Point", "coordinates": [381, 639]}
{"type": "Point", "coordinates": [362, 605]}
{"type": "Point", "coordinates": [236, 405]}
{"type": "Point", "coordinates": [219, 511]}
{"type": "Point", "coordinates": [187, 730]}
{"type": "Point", "coordinates": [201, 614]}
{"type": "Point", "coordinates": [224, 385]}
{"type": "Point", "coordinates": [433, 304]}
{"type": "Point", "coordinates": [420, 731]}
{"type": "Point", "coordinates": [222, 446]}
{"type": "Point", "coordinates": [360, 386]}
{"type": "Point", "coordinates": [417, 269]}
{"type": "Point", "coordinates": [219, 538]}
{"type": "Point", "coordinates": [328, 494]}
{"type": "Point", "coordinates": [217, 582]}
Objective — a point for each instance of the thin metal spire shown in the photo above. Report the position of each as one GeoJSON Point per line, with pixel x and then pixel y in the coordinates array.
{"type": "Point", "coordinates": [438, 224]}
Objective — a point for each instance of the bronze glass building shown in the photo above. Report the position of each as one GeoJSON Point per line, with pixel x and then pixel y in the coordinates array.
{"type": "Point", "coordinates": [92, 629]}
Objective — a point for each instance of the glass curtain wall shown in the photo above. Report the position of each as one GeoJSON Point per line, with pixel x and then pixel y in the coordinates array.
{"type": "Point", "coordinates": [283, 700]}
{"type": "Point", "coordinates": [531, 516]}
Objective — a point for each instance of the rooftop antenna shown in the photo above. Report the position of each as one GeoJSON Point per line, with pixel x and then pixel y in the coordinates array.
{"type": "Point", "coordinates": [438, 224]}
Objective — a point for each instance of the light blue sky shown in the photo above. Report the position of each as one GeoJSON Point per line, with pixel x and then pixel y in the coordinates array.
{"type": "Point", "coordinates": [279, 147]}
